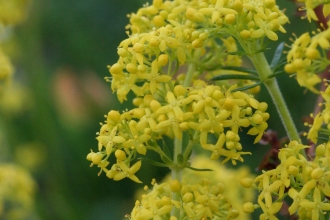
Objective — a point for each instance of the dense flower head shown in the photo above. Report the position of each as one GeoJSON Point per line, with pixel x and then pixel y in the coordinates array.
{"type": "Point", "coordinates": [17, 189]}
{"type": "Point", "coordinates": [321, 121]}
{"type": "Point", "coordinates": [6, 72]}
{"type": "Point", "coordinates": [202, 110]}
{"type": "Point", "coordinates": [230, 179]}
{"type": "Point", "coordinates": [202, 33]}
{"type": "Point", "coordinates": [305, 181]}
{"type": "Point", "coordinates": [12, 12]}
{"type": "Point", "coordinates": [307, 57]}
{"type": "Point", "coordinates": [310, 5]}
{"type": "Point", "coordinates": [201, 200]}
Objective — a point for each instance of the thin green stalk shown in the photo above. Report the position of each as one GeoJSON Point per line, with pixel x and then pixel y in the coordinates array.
{"type": "Point", "coordinates": [260, 63]}
{"type": "Point", "coordinates": [176, 170]}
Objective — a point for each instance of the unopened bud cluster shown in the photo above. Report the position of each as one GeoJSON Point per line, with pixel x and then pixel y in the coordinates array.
{"type": "Point", "coordinates": [198, 201]}
{"type": "Point", "coordinates": [305, 182]}
{"type": "Point", "coordinates": [307, 57]}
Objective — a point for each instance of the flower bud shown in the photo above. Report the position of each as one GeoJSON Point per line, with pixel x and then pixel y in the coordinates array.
{"type": "Point", "coordinates": [116, 69]}
{"type": "Point", "coordinates": [137, 101]}
{"type": "Point", "coordinates": [163, 59]}
{"type": "Point", "coordinates": [256, 119]}
{"type": "Point", "coordinates": [317, 173]}
{"type": "Point", "coordinates": [203, 36]}
{"type": "Point", "coordinates": [197, 43]}
{"type": "Point", "coordinates": [154, 105]}
{"type": "Point", "coordinates": [175, 186]}
{"type": "Point", "coordinates": [298, 64]}
{"type": "Point", "coordinates": [190, 13]}
{"type": "Point", "coordinates": [312, 53]}
{"type": "Point", "coordinates": [290, 68]}
{"type": "Point", "coordinates": [262, 106]}
{"type": "Point", "coordinates": [245, 34]}
{"type": "Point", "coordinates": [131, 68]}
{"type": "Point", "coordinates": [246, 182]}
{"type": "Point", "coordinates": [248, 207]}
{"type": "Point", "coordinates": [97, 157]}
{"type": "Point", "coordinates": [154, 42]}
{"type": "Point", "coordinates": [113, 117]}
{"type": "Point", "coordinates": [230, 18]}
{"type": "Point", "coordinates": [238, 6]}
{"type": "Point", "coordinates": [90, 156]}
{"type": "Point", "coordinates": [159, 21]}
{"type": "Point", "coordinates": [293, 170]}
{"type": "Point", "coordinates": [122, 52]}
{"type": "Point", "coordinates": [120, 155]}
{"type": "Point", "coordinates": [138, 47]}
{"type": "Point", "coordinates": [188, 197]}
{"type": "Point", "coordinates": [147, 100]}
{"type": "Point", "coordinates": [320, 150]}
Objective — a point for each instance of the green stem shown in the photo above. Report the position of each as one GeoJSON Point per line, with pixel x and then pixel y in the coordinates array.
{"type": "Point", "coordinates": [176, 172]}
{"type": "Point", "coordinates": [189, 75]}
{"type": "Point", "coordinates": [177, 168]}
{"type": "Point", "coordinates": [260, 63]}
{"type": "Point", "coordinates": [190, 146]}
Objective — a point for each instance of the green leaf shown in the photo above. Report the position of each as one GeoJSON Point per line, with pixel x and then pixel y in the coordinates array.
{"type": "Point", "coordinates": [240, 69]}
{"type": "Point", "coordinates": [238, 53]}
{"type": "Point", "coordinates": [180, 158]}
{"type": "Point", "coordinates": [166, 150]}
{"type": "Point", "coordinates": [280, 64]}
{"type": "Point", "coordinates": [277, 73]}
{"type": "Point", "coordinates": [197, 169]}
{"type": "Point", "coordinates": [155, 163]}
{"type": "Point", "coordinates": [152, 143]}
{"type": "Point", "coordinates": [166, 160]}
{"type": "Point", "coordinates": [234, 76]}
{"type": "Point", "coordinates": [247, 87]}
{"type": "Point", "coordinates": [277, 55]}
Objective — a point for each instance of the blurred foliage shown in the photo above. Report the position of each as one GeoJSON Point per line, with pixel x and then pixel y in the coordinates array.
{"type": "Point", "coordinates": [48, 123]}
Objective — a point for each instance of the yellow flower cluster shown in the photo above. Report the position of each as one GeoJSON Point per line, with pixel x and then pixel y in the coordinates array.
{"type": "Point", "coordinates": [307, 183]}
{"type": "Point", "coordinates": [6, 71]}
{"type": "Point", "coordinates": [201, 110]}
{"type": "Point", "coordinates": [12, 12]}
{"type": "Point", "coordinates": [17, 190]}
{"type": "Point", "coordinates": [172, 33]}
{"type": "Point", "coordinates": [320, 119]}
{"type": "Point", "coordinates": [202, 200]}
{"type": "Point", "coordinates": [310, 5]}
{"type": "Point", "coordinates": [230, 178]}
{"type": "Point", "coordinates": [246, 18]}
{"type": "Point", "coordinates": [307, 57]}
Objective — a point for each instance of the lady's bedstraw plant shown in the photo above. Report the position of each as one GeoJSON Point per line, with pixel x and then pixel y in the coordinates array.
{"type": "Point", "coordinates": [173, 60]}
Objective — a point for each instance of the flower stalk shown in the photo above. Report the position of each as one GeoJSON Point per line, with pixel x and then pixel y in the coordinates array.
{"type": "Point", "coordinates": [260, 63]}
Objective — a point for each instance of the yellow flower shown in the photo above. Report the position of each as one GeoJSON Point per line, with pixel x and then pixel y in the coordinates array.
{"type": "Point", "coordinates": [299, 196]}
{"type": "Point", "coordinates": [154, 77]}
{"type": "Point", "coordinates": [128, 172]}
{"type": "Point", "coordinates": [265, 28]}
{"type": "Point", "coordinates": [316, 206]}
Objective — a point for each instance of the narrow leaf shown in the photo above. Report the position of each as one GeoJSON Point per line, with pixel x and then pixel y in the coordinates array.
{"type": "Point", "coordinates": [198, 169]}
{"type": "Point", "coordinates": [166, 160]}
{"type": "Point", "coordinates": [238, 53]}
{"type": "Point", "coordinates": [166, 150]}
{"type": "Point", "coordinates": [247, 87]}
{"type": "Point", "coordinates": [277, 73]}
{"type": "Point", "coordinates": [240, 69]}
{"type": "Point", "coordinates": [277, 55]}
{"type": "Point", "coordinates": [180, 159]}
{"type": "Point", "coordinates": [234, 76]}
{"type": "Point", "coordinates": [155, 163]}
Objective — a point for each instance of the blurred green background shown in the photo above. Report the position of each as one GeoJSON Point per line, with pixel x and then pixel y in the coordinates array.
{"type": "Point", "coordinates": [60, 54]}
